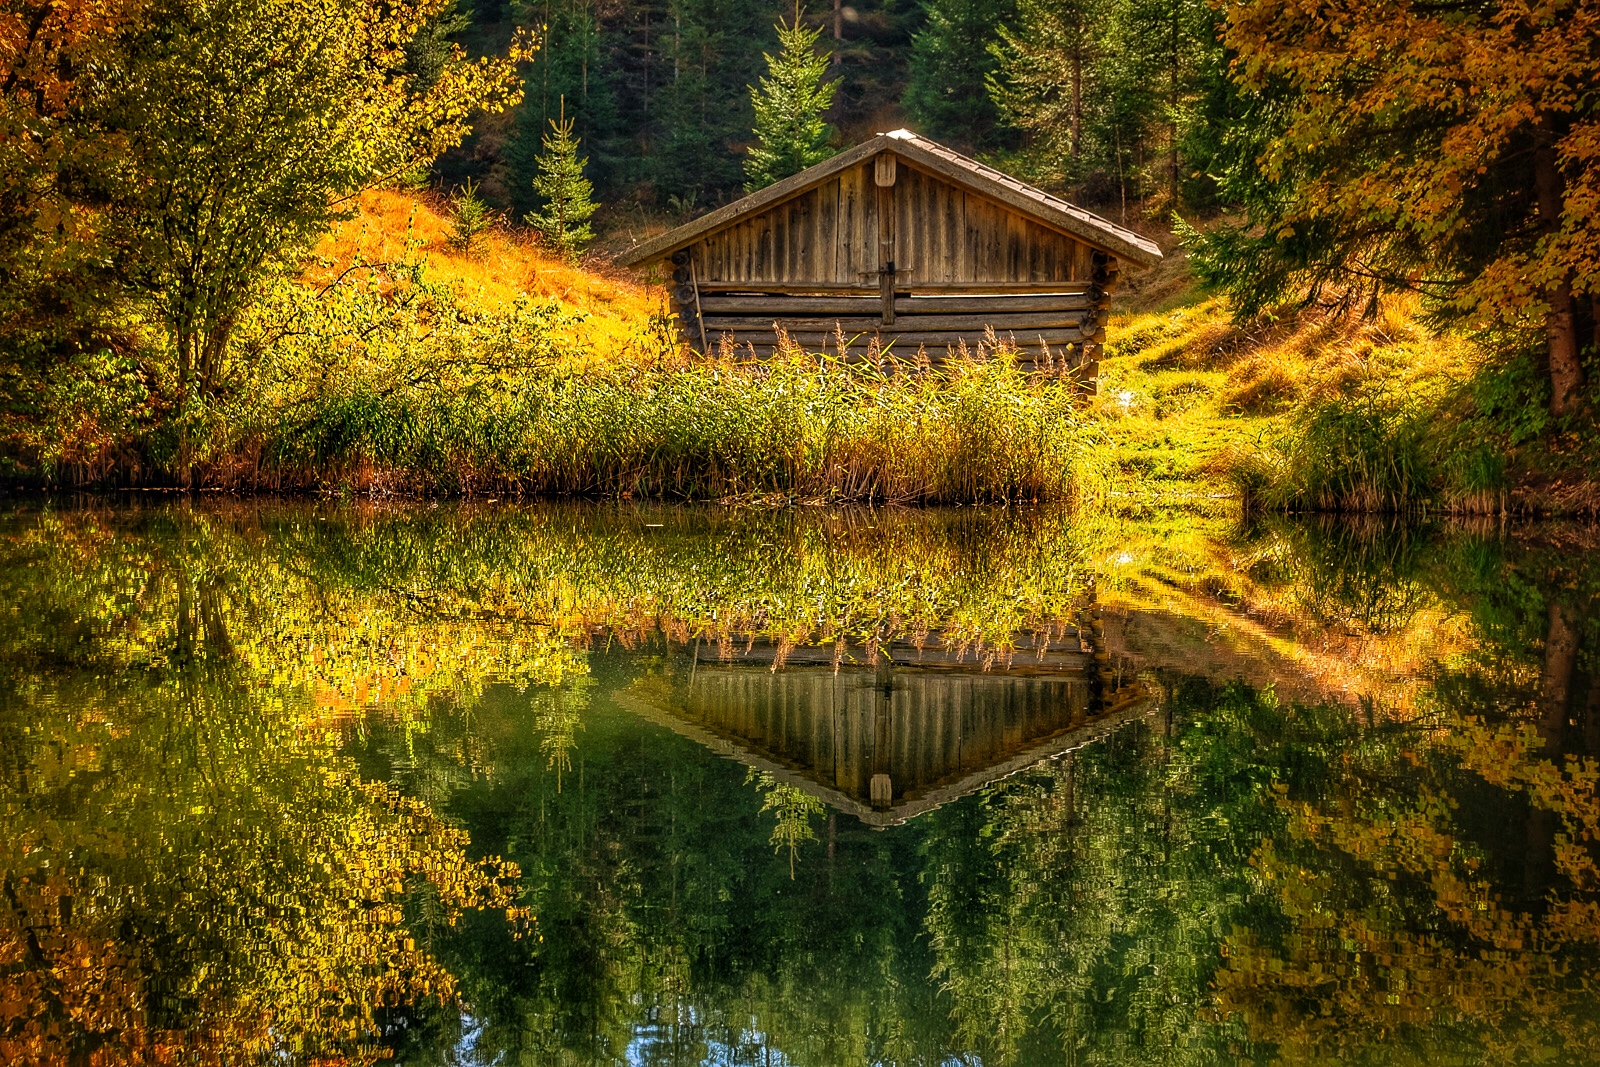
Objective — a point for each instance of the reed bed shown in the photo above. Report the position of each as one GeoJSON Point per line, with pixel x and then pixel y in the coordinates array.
{"type": "Point", "coordinates": [977, 429]}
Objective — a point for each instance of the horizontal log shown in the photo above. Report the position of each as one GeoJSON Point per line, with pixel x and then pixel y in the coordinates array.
{"type": "Point", "coordinates": [815, 339]}
{"type": "Point", "coordinates": [776, 306]}
{"type": "Point", "coordinates": [909, 288]}
{"type": "Point", "coordinates": [903, 323]}
{"type": "Point", "coordinates": [998, 303]}
{"type": "Point", "coordinates": [1027, 358]}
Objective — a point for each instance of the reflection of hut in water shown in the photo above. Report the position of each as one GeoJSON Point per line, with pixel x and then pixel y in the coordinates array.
{"type": "Point", "coordinates": [887, 743]}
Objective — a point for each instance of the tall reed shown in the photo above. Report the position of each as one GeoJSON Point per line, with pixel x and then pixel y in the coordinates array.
{"type": "Point", "coordinates": [974, 430]}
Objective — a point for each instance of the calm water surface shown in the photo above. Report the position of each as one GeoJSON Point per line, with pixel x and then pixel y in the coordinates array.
{"type": "Point", "coordinates": [550, 785]}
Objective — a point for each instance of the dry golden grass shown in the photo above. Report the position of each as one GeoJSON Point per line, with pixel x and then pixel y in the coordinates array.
{"type": "Point", "coordinates": [502, 267]}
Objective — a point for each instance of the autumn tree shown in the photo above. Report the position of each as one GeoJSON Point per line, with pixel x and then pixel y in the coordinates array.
{"type": "Point", "coordinates": [791, 133]}
{"type": "Point", "coordinates": [1449, 149]}
{"type": "Point", "coordinates": [246, 125]}
{"type": "Point", "coordinates": [47, 249]}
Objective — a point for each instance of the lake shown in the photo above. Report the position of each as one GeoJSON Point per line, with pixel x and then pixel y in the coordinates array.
{"type": "Point", "coordinates": [303, 783]}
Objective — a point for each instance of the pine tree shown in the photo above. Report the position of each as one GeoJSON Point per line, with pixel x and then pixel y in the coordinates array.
{"type": "Point", "coordinates": [570, 63]}
{"type": "Point", "coordinates": [564, 222]}
{"type": "Point", "coordinates": [791, 133]}
{"type": "Point", "coordinates": [951, 61]}
{"type": "Point", "coordinates": [470, 217]}
{"type": "Point", "coordinates": [1046, 82]}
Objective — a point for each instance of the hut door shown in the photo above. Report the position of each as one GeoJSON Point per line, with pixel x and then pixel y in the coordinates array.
{"type": "Point", "coordinates": [884, 174]}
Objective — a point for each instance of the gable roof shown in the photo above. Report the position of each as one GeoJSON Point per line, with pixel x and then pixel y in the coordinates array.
{"type": "Point", "coordinates": [952, 166]}
{"type": "Point", "coordinates": [1129, 705]}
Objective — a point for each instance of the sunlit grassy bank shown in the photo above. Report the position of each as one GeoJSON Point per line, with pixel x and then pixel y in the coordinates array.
{"type": "Point", "coordinates": [1328, 411]}
{"type": "Point", "coordinates": [401, 362]}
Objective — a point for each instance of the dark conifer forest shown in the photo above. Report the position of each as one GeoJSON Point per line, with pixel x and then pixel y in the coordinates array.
{"type": "Point", "coordinates": [1112, 101]}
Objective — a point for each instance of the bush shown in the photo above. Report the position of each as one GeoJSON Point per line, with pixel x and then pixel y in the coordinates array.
{"type": "Point", "coordinates": [1365, 452]}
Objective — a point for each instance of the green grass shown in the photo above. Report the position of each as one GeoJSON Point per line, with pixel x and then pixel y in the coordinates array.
{"type": "Point", "coordinates": [805, 427]}
{"type": "Point", "coordinates": [1325, 412]}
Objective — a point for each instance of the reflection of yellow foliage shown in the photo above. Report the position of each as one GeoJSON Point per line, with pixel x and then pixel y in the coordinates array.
{"type": "Point", "coordinates": [1280, 625]}
{"type": "Point", "coordinates": [1421, 936]}
{"type": "Point", "coordinates": [211, 882]}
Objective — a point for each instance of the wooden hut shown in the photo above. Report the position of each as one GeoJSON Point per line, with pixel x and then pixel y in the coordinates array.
{"type": "Point", "coordinates": [886, 732]}
{"type": "Point", "coordinates": [902, 240]}
{"type": "Point", "coordinates": [888, 745]}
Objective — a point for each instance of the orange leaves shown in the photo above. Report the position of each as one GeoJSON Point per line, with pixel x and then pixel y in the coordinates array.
{"type": "Point", "coordinates": [1421, 122]}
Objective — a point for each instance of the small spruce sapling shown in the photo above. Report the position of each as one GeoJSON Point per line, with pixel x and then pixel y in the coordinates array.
{"type": "Point", "coordinates": [791, 133]}
{"type": "Point", "coordinates": [470, 217]}
{"type": "Point", "coordinates": [564, 222]}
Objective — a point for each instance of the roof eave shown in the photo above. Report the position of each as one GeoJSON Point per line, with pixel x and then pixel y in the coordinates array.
{"type": "Point", "coordinates": [1091, 229]}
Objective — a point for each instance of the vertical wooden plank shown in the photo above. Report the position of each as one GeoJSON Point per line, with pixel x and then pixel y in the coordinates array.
{"type": "Point", "coordinates": [1041, 253]}
{"type": "Point", "coordinates": [849, 227]}
{"type": "Point", "coordinates": [972, 209]}
{"type": "Point", "coordinates": [985, 236]}
{"type": "Point", "coordinates": [717, 257]}
{"type": "Point", "coordinates": [964, 271]}
{"type": "Point", "coordinates": [1015, 248]}
{"type": "Point", "coordinates": [709, 249]}
{"type": "Point", "coordinates": [1083, 263]}
{"type": "Point", "coordinates": [888, 213]}
{"type": "Point", "coordinates": [802, 233]}
{"type": "Point", "coordinates": [941, 253]}
{"type": "Point", "coordinates": [778, 260]}
{"type": "Point", "coordinates": [908, 218]}
{"type": "Point", "coordinates": [762, 268]}
{"type": "Point", "coordinates": [867, 242]}
{"type": "Point", "coordinates": [951, 242]}
{"type": "Point", "coordinates": [825, 241]}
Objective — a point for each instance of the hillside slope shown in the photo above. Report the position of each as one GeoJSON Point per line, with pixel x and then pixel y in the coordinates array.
{"type": "Point", "coordinates": [392, 226]}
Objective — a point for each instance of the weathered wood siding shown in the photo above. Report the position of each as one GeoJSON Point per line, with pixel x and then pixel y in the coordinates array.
{"type": "Point", "coordinates": [921, 731]}
{"type": "Point", "coordinates": [810, 270]}
{"type": "Point", "coordinates": [944, 236]}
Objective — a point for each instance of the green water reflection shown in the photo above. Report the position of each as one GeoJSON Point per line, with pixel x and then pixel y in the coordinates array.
{"type": "Point", "coordinates": [583, 785]}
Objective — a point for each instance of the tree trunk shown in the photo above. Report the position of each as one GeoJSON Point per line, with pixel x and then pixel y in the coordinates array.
{"type": "Point", "coordinates": [185, 340]}
{"type": "Point", "coordinates": [838, 27]}
{"type": "Point", "coordinates": [1172, 133]}
{"type": "Point", "coordinates": [1555, 685]}
{"type": "Point", "coordinates": [1561, 330]}
{"type": "Point", "coordinates": [1077, 107]}
{"type": "Point", "coordinates": [1555, 693]}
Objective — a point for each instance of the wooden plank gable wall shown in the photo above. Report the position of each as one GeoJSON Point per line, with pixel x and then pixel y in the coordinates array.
{"type": "Point", "coordinates": [886, 250]}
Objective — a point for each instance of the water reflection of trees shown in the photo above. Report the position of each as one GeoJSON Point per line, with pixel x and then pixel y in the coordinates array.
{"type": "Point", "coordinates": [183, 720]}
{"type": "Point", "coordinates": [190, 868]}
{"type": "Point", "coordinates": [1236, 879]}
